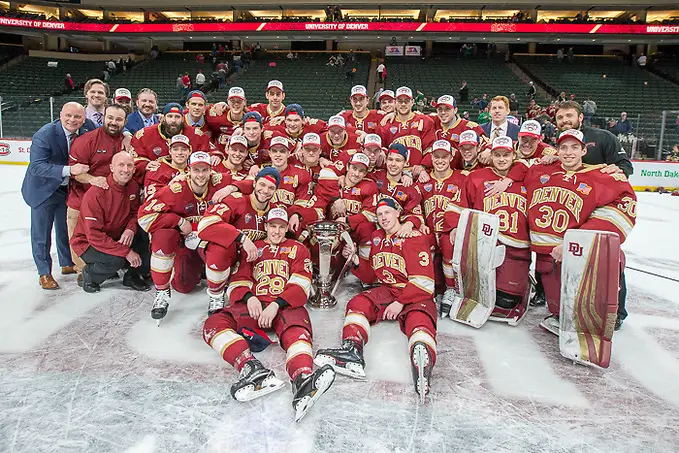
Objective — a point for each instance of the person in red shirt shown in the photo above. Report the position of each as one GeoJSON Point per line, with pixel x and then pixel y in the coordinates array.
{"type": "Point", "coordinates": [413, 130]}
{"type": "Point", "coordinates": [469, 148]}
{"type": "Point", "coordinates": [338, 139]}
{"type": "Point", "coordinates": [531, 147]}
{"type": "Point", "coordinates": [224, 118]}
{"type": "Point", "coordinates": [170, 166]}
{"type": "Point", "coordinates": [105, 237]}
{"type": "Point", "coordinates": [387, 100]}
{"type": "Point", "coordinates": [361, 117]}
{"type": "Point", "coordinates": [196, 107]}
{"type": "Point", "coordinates": [152, 142]}
{"type": "Point", "coordinates": [233, 225]}
{"type": "Point", "coordinates": [236, 154]}
{"type": "Point", "coordinates": [269, 292]}
{"type": "Point", "coordinates": [406, 275]}
{"type": "Point", "coordinates": [296, 125]}
{"type": "Point", "coordinates": [96, 150]}
{"type": "Point", "coordinates": [275, 94]}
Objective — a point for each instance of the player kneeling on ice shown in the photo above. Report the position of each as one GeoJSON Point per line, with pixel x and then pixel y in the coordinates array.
{"type": "Point", "coordinates": [406, 273]}
{"type": "Point", "coordinates": [269, 293]}
{"type": "Point", "coordinates": [579, 267]}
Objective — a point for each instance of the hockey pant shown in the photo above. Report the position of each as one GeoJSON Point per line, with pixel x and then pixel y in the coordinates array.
{"type": "Point", "coordinates": [218, 263]}
{"type": "Point", "coordinates": [169, 253]}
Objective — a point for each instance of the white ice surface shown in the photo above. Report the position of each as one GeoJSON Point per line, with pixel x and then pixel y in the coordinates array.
{"type": "Point", "coordinates": [92, 373]}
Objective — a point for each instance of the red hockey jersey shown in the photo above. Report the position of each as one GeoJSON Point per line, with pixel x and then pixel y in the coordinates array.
{"type": "Point", "coordinates": [368, 123]}
{"type": "Point", "coordinates": [154, 180]}
{"type": "Point", "coordinates": [452, 135]}
{"type": "Point", "coordinates": [408, 198]}
{"type": "Point", "coordinates": [440, 196]}
{"type": "Point", "coordinates": [417, 134]}
{"type": "Point", "coordinates": [348, 147]}
{"type": "Point", "coordinates": [265, 111]}
{"type": "Point", "coordinates": [222, 126]}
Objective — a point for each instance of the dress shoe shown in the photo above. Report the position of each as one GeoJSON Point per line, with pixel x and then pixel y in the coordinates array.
{"type": "Point", "coordinates": [48, 282]}
{"type": "Point", "coordinates": [68, 270]}
{"type": "Point", "coordinates": [79, 280]}
{"type": "Point", "coordinates": [134, 281]}
{"type": "Point", "coordinates": [91, 287]}
{"type": "Point", "coordinates": [618, 323]}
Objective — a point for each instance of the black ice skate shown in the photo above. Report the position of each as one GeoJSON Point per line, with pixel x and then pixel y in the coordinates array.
{"type": "Point", "coordinates": [346, 360]}
{"type": "Point", "coordinates": [160, 304]}
{"type": "Point", "coordinates": [307, 388]}
{"type": "Point", "coordinates": [255, 381]}
{"type": "Point", "coordinates": [422, 366]}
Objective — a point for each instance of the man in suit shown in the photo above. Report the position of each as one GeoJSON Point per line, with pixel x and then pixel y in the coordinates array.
{"type": "Point", "coordinates": [499, 126]}
{"type": "Point", "coordinates": [145, 116]}
{"type": "Point", "coordinates": [45, 188]}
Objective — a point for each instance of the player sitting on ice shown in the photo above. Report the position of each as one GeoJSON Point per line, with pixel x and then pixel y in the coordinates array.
{"type": "Point", "coordinates": [269, 293]}
{"type": "Point", "coordinates": [571, 195]}
{"type": "Point", "coordinates": [405, 271]}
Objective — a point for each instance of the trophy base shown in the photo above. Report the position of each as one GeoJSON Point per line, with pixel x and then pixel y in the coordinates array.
{"type": "Point", "coordinates": [322, 302]}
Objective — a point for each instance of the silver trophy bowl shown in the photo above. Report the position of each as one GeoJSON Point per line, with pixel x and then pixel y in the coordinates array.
{"type": "Point", "coordinates": [327, 234]}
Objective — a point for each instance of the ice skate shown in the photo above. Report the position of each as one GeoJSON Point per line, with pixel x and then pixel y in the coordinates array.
{"type": "Point", "coordinates": [307, 388]}
{"type": "Point", "coordinates": [422, 367]}
{"type": "Point", "coordinates": [346, 360]}
{"type": "Point", "coordinates": [447, 302]}
{"type": "Point", "coordinates": [216, 303]}
{"type": "Point", "coordinates": [161, 304]}
{"type": "Point", "coordinates": [551, 324]}
{"type": "Point", "coordinates": [255, 381]}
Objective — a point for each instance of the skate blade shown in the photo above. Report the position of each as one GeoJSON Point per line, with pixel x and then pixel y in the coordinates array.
{"type": "Point", "coordinates": [515, 321]}
{"type": "Point", "coordinates": [269, 385]}
{"type": "Point", "coordinates": [323, 383]}
{"type": "Point", "coordinates": [352, 370]}
{"type": "Point", "coordinates": [421, 361]}
{"type": "Point", "coordinates": [548, 328]}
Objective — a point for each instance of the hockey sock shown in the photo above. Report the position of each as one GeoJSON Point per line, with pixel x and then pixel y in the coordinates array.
{"type": "Point", "coordinates": [216, 279]}
{"type": "Point", "coordinates": [161, 270]}
{"type": "Point", "coordinates": [299, 354]}
{"type": "Point", "coordinates": [232, 348]}
{"type": "Point", "coordinates": [356, 328]}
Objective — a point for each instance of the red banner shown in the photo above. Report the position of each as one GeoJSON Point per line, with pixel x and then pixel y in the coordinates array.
{"type": "Point", "coordinates": [345, 27]}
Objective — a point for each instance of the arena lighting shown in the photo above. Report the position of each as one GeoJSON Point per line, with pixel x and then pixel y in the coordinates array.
{"type": "Point", "coordinates": [604, 76]}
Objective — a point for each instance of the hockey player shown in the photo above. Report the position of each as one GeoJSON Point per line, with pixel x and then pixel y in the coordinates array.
{"type": "Point", "coordinates": [223, 118]}
{"type": "Point", "coordinates": [236, 154]}
{"type": "Point", "coordinates": [269, 293]}
{"type": "Point", "coordinates": [405, 271]}
{"type": "Point", "coordinates": [531, 147]}
{"type": "Point", "coordinates": [387, 101]}
{"type": "Point", "coordinates": [296, 125]}
{"type": "Point", "coordinates": [237, 220]}
{"type": "Point", "coordinates": [171, 217]}
{"type": "Point", "coordinates": [572, 195]}
{"type": "Point", "coordinates": [469, 150]}
{"type": "Point", "coordinates": [361, 117]}
{"type": "Point", "coordinates": [511, 299]}
{"type": "Point", "coordinates": [337, 140]}
{"type": "Point", "coordinates": [152, 142]}
{"type": "Point", "coordinates": [196, 106]}
{"type": "Point", "coordinates": [170, 166]}
{"type": "Point", "coordinates": [275, 109]}
{"type": "Point", "coordinates": [414, 130]}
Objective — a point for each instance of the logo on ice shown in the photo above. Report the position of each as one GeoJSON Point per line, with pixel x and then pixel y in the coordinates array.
{"type": "Point", "coordinates": [575, 248]}
{"type": "Point", "coordinates": [4, 149]}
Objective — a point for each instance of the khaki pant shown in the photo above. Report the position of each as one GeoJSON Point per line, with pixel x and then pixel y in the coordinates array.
{"type": "Point", "coordinates": [71, 222]}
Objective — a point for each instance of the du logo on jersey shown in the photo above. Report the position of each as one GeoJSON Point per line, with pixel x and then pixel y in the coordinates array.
{"type": "Point", "coordinates": [575, 248]}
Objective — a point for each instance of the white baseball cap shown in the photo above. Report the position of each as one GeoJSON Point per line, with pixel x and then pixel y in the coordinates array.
{"type": "Point", "coordinates": [123, 93]}
{"type": "Point", "coordinates": [238, 140]}
{"type": "Point", "coordinates": [386, 94]}
{"type": "Point", "coordinates": [404, 91]}
{"type": "Point", "coordinates": [338, 121]}
{"type": "Point", "coordinates": [446, 99]}
{"type": "Point", "coordinates": [372, 140]}
{"type": "Point", "coordinates": [179, 138]}
{"type": "Point", "coordinates": [311, 139]}
{"type": "Point", "coordinates": [277, 214]}
{"type": "Point", "coordinates": [275, 84]}
{"type": "Point", "coordinates": [503, 143]}
{"type": "Point", "coordinates": [236, 92]}
{"type": "Point", "coordinates": [278, 140]}
{"type": "Point", "coordinates": [199, 157]}
{"type": "Point", "coordinates": [571, 133]}
{"type": "Point", "coordinates": [469, 138]}
{"type": "Point", "coordinates": [530, 128]}
{"type": "Point", "coordinates": [359, 90]}
{"type": "Point", "coordinates": [442, 145]}
{"type": "Point", "coordinates": [360, 159]}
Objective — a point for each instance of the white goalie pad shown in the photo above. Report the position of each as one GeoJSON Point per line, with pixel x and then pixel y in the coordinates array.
{"type": "Point", "coordinates": [590, 274]}
{"type": "Point", "coordinates": [476, 255]}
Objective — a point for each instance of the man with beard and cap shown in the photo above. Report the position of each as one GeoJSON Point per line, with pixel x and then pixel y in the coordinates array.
{"type": "Point", "coordinates": [361, 117]}
{"type": "Point", "coordinates": [106, 237]}
{"type": "Point", "coordinates": [96, 150]}
{"type": "Point", "coordinates": [153, 142]}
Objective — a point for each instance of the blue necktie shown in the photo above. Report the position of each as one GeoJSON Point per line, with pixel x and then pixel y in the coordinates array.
{"type": "Point", "coordinates": [98, 117]}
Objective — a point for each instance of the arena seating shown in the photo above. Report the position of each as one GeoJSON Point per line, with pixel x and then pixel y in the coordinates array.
{"type": "Point", "coordinates": [444, 75]}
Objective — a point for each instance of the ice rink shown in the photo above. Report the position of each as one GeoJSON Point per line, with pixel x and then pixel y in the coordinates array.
{"type": "Point", "coordinates": [93, 373]}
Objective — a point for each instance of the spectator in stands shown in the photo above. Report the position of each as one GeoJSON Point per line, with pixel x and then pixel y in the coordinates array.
{"type": "Point", "coordinates": [484, 116]}
{"type": "Point", "coordinates": [673, 156]}
{"type": "Point", "coordinates": [419, 101]}
{"type": "Point", "coordinates": [513, 104]}
{"type": "Point", "coordinates": [641, 61]}
{"type": "Point", "coordinates": [200, 80]}
{"type": "Point", "coordinates": [560, 55]}
{"type": "Point", "coordinates": [465, 115]}
{"type": "Point", "coordinates": [147, 103]}
{"type": "Point", "coordinates": [111, 65]}
{"type": "Point", "coordinates": [550, 111]}
{"type": "Point", "coordinates": [69, 84]}
{"type": "Point", "coordinates": [45, 187]}
{"type": "Point", "coordinates": [533, 110]}
{"type": "Point", "coordinates": [106, 235]}
{"type": "Point", "coordinates": [571, 54]}
{"type": "Point", "coordinates": [588, 110]}
{"type": "Point", "coordinates": [464, 92]}
{"type": "Point", "coordinates": [623, 125]}
{"type": "Point", "coordinates": [482, 103]}
{"type": "Point", "coordinates": [200, 59]}
{"type": "Point", "coordinates": [186, 85]}
{"type": "Point", "coordinates": [123, 98]}
{"type": "Point", "coordinates": [96, 93]}
{"type": "Point", "coordinates": [532, 91]}
{"type": "Point", "coordinates": [381, 72]}
{"type": "Point", "coordinates": [562, 97]}
{"type": "Point", "coordinates": [105, 75]}
{"type": "Point", "coordinates": [499, 126]}
{"type": "Point", "coordinates": [180, 85]}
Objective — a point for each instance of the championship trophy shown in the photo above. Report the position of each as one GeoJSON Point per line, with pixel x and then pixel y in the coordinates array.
{"type": "Point", "coordinates": [327, 234]}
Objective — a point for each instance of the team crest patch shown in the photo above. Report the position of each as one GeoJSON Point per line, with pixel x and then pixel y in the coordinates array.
{"type": "Point", "coordinates": [376, 241]}
{"type": "Point", "coordinates": [393, 129]}
{"type": "Point", "coordinates": [584, 188]}
{"type": "Point", "coordinates": [455, 137]}
{"type": "Point", "coordinates": [544, 179]}
{"type": "Point", "coordinates": [428, 187]}
{"type": "Point", "coordinates": [248, 217]}
{"type": "Point", "coordinates": [260, 252]}
{"type": "Point", "coordinates": [451, 188]}
{"type": "Point", "coordinates": [188, 207]}
{"type": "Point", "coordinates": [523, 190]}
{"type": "Point", "coordinates": [398, 242]}
{"type": "Point", "coordinates": [379, 183]}
{"type": "Point", "coordinates": [157, 150]}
